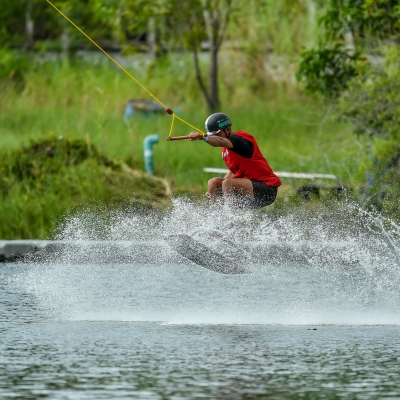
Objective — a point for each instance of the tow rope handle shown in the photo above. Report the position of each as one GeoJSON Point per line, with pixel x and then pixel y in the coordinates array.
{"type": "Point", "coordinates": [170, 137]}
{"type": "Point", "coordinates": [178, 138]}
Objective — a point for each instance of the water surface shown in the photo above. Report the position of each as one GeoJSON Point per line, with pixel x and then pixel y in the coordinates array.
{"type": "Point", "coordinates": [318, 317]}
{"type": "Point", "coordinates": [163, 332]}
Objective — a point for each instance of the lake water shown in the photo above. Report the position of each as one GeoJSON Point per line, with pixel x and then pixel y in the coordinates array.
{"type": "Point", "coordinates": [317, 319]}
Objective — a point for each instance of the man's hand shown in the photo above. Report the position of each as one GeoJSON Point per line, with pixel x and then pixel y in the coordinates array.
{"type": "Point", "coordinates": [196, 136]}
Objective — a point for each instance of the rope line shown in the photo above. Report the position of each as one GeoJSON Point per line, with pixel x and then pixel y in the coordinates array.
{"type": "Point", "coordinates": [168, 110]}
{"type": "Point", "coordinates": [172, 125]}
{"type": "Point", "coordinates": [187, 123]}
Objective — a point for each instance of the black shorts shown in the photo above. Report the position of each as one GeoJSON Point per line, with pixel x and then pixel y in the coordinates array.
{"type": "Point", "coordinates": [264, 195]}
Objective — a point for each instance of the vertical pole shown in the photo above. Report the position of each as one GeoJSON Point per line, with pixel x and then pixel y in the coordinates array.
{"type": "Point", "coordinates": [148, 143]}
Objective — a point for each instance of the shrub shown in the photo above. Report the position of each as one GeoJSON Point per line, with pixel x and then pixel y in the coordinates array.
{"type": "Point", "coordinates": [13, 66]}
{"type": "Point", "coordinates": [372, 104]}
{"type": "Point", "coordinates": [52, 178]}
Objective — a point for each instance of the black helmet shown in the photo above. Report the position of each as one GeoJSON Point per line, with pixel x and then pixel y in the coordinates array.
{"type": "Point", "coordinates": [216, 122]}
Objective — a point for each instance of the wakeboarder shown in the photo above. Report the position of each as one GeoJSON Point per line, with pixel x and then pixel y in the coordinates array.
{"type": "Point", "coordinates": [250, 181]}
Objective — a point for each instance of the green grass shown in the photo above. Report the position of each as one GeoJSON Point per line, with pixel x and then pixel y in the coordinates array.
{"type": "Point", "coordinates": [49, 180]}
{"type": "Point", "coordinates": [82, 101]}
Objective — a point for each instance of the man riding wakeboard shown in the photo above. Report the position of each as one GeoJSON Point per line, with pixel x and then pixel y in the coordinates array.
{"type": "Point", "coordinates": [250, 179]}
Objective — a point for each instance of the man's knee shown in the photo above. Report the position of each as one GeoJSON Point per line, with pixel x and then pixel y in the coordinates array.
{"type": "Point", "coordinates": [215, 183]}
{"type": "Point", "coordinates": [228, 184]}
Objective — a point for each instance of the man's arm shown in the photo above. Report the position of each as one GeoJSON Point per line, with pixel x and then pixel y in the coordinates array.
{"type": "Point", "coordinates": [214, 141]}
{"type": "Point", "coordinates": [229, 175]}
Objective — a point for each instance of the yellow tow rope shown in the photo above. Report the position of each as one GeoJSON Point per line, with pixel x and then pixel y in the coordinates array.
{"type": "Point", "coordinates": [167, 109]}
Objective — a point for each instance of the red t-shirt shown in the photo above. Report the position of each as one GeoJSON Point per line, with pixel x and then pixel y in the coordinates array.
{"type": "Point", "coordinates": [255, 168]}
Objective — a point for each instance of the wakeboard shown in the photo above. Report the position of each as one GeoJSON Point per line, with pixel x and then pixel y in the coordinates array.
{"type": "Point", "coordinates": [202, 255]}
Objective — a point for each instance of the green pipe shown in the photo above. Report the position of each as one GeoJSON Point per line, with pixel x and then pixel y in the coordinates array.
{"type": "Point", "coordinates": [148, 143]}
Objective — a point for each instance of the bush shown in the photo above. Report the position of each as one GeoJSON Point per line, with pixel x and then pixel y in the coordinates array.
{"type": "Point", "coordinates": [13, 66]}
{"type": "Point", "coordinates": [328, 69]}
{"type": "Point", "coordinates": [372, 104]}
{"type": "Point", "coordinates": [50, 179]}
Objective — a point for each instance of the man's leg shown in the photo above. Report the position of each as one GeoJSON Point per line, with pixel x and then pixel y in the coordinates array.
{"type": "Point", "coordinates": [238, 192]}
{"type": "Point", "coordinates": [238, 187]}
{"type": "Point", "coordinates": [214, 188]}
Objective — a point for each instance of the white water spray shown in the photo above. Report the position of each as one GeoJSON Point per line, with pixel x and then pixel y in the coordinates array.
{"type": "Point", "coordinates": [328, 268]}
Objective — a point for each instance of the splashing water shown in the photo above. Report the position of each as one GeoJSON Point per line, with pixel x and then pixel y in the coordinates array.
{"type": "Point", "coordinates": [336, 267]}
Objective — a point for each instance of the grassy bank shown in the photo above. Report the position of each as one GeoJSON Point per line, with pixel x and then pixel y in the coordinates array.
{"type": "Point", "coordinates": [85, 102]}
{"type": "Point", "coordinates": [50, 179]}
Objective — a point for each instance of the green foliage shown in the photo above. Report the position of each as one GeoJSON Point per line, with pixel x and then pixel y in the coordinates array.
{"type": "Point", "coordinates": [81, 101]}
{"type": "Point", "coordinates": [256, 27]}
{"type": "Point", "coordinates": [327, 69]}
{"type": "Point", "coordinates": [13, 16]}
{"type": "Point", "coordinates": [368, 93]}
{"type": "Point", "coordinates": [364, 19]}
{"type": "Point", "coordinates": [372, 104]}
{"type": "Point", "coordinates": [383, 172]}
{"type": "Point", "coordinates": [51, 178]}
{"type": "Point", "coordinates": [279, 27]}
{"type": "Point", "coordinates": [13, 67]}
{"type": "Point", "coordinates": [48, 156]}
{"type": "Point", "coordinates": [95, 17]}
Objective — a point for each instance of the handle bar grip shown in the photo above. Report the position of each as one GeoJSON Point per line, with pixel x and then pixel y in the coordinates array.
{"type": "Point", "coordinates": [178, 138]}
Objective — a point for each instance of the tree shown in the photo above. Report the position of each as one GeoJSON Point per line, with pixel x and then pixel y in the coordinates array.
{"type": "Point", "coordinates": [353, 28]}
{"type": "Point", "coordinates": [17, 22]}
{"type": "Point", "coordinates": [358, 63]}
{"type": "Point", "coordinates": [216, 19]}
{"type": "Point", "coordinates": [187, 25]}
{"type": "Point", "coordinates": [204, 21]}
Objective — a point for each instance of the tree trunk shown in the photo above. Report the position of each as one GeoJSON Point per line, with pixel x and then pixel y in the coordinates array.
{"type": "Point", "coordinates": [65, 37]}
{"type": "Point", "coordinates": [30, 26]}
{"type": "Point", "coordinates": [213, 74]}
{"type": "Point", "coordinates": [151, 38]}
{"type": "Point", "coordinates": [216, 19]}
{"type": "Point", "coordinates": [65, 43]}
{"type": "Point", "coordinates": [211, 17]}
{"type": "Point", "coordinates": [199, 79]}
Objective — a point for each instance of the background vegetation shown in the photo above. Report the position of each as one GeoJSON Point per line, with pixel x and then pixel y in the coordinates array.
{"type": "Point", "coordinates": [57, 92]}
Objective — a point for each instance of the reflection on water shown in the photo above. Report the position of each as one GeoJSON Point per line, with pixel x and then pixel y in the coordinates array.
{"type": "Point", "coordinates": [318, 316]}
